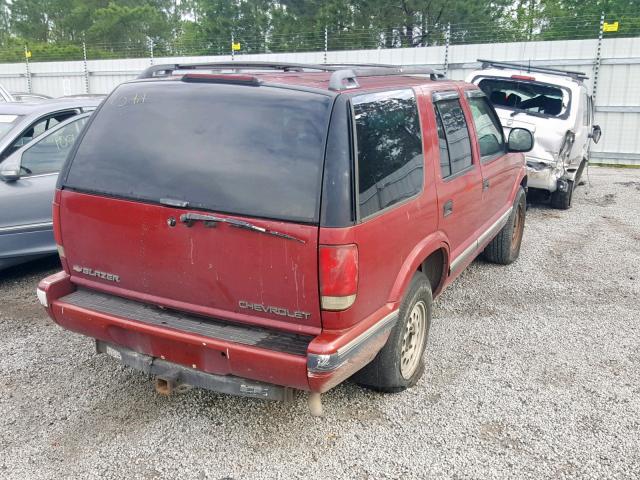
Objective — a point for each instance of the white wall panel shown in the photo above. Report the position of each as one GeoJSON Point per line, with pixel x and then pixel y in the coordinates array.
{"type": "Point", "coordinates": [618, 94]}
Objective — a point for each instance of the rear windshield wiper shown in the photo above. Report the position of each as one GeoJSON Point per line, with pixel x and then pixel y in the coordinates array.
{"type": "Point", "coordinates": [210, 220]}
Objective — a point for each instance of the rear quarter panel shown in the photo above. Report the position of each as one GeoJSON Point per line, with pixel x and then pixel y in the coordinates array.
{"type": "Point", "coordinates": [391, 244]}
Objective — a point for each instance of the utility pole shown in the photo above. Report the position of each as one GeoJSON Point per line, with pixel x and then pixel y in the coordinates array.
{"type": "Point", "coordinates": [27, 53]}
{"type": "Point", "coordinates": [326, 43]}
{"type": "Point", "coordinates": [447, 41]}
{"type": "Point", "coordinates": [86, 67]}
{"type": "Point", "coordinates": [596, 66]}
{"type": "Point", "coordinates": [150, 50]}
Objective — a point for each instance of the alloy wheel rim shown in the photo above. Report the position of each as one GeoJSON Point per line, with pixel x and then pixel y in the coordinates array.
{"type": "Point", "coordinates": [413, 339]}
{"type": "Point", "coordinates": [518, 228]}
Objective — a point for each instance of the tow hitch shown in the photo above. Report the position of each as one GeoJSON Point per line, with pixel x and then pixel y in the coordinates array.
{"type": "Point", "coordinates": [173, 378]}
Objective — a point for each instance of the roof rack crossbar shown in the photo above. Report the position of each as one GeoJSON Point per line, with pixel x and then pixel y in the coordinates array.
{"type": "Point", "coordinates": [346, 78]}
{"type": "Point", "coordinates": [531, 68]}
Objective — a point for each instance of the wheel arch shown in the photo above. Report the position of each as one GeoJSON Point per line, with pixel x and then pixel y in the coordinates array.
{"type": "Point", "coordinates": [430, 256]}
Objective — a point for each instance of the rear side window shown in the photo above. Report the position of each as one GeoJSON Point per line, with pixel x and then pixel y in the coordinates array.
{"type": "Point", "coordinates": [488, 128]}
{"type": "Point", "coordinates": [248, 150]}
{"type": "Point", "coordinates": [389, 149]}
{"type": "Point", "coordinates": [452, 123]}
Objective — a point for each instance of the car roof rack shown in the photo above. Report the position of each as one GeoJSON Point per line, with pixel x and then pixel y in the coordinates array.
{"type": "Point", "coordinates": [344, 75]}
{"type": "Point", "coordinates": [170, 68]}
{"type": "Point", "coordinates": [523, 66]}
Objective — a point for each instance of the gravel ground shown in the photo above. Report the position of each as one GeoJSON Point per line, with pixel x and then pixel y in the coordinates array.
{"type": "Point", "coordinates": [533, 371]}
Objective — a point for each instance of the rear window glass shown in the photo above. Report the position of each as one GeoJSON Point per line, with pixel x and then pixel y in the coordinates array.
{"type": "Point", "coordinates": [527, 96]}
{"type": "Point", "coordinates": [255, 151]}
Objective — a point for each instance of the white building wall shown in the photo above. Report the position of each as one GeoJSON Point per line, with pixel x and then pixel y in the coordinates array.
{"type": "Point", "coordinates": [618, 88]}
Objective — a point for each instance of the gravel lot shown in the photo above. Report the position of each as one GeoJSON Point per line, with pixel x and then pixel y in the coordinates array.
{"type": "Point", "coordinates": [533, 372]}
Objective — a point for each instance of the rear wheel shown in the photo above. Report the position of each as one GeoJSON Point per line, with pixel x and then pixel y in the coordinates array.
{"type": "Point", "coordinates": [505, 247]}
{"type": "Point", "coordinates": [562, 200]}
{"type": "Point", "coordinates": [400, 363]}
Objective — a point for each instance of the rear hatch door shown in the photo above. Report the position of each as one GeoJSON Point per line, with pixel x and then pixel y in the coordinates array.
{"type": "Point", "coordinates": [203, 197]}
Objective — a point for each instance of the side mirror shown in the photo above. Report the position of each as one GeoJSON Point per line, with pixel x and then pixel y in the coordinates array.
{"type": "Point", "coordinates": [596, 133]}
{"type": "Point", "coordinates": [520, 140]}
{"type": "Point", "coordinates": [10, 168]}
{"type": "Point", "coordinates": [9, 174]}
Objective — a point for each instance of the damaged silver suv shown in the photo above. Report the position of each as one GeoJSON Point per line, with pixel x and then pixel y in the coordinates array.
{"type": "Point", "coordinates": [556, 106]}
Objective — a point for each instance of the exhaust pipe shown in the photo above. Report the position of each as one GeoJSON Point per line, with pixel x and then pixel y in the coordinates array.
{"type": "Point", "coordinates": [315, 404]}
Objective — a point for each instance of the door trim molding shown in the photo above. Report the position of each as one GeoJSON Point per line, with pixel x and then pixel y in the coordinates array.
{"type": "Point", "coordinates": [488, 234]}
{"type": "Point", "coordinates": [26, 228]}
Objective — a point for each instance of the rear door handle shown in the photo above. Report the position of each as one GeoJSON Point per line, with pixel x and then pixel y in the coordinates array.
{"type": "Point", "coordinates": [485, 184]}
{"type": "Point", "coordinates": [447, 209]}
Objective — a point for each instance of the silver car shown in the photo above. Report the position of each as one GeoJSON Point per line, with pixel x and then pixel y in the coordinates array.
{"type": "Point", "coordinates": [27, 97]}
{"type": "Point", "coordinates": [22, 122]}
{"type": "Point", "coordinates": [28, 183]}
{"type": "Point", "coordinates": [556, 107]}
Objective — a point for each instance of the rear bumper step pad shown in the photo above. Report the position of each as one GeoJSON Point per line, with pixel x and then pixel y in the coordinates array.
{"type": "Point", "coordinates": [179, 375]}
{"type": "Point", "coordinates": [275, 340]}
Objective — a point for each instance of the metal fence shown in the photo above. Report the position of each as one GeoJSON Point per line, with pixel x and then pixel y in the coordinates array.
{"type": "Point", "coordinates": [613, 65]}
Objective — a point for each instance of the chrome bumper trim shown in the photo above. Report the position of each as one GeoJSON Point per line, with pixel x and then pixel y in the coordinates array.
{"type": "Point", "coordinates": [27, 228]}
{"type": "Point", "coordinates": [491, 232]}
{"type": "Point", "coordinates": [327, 363]}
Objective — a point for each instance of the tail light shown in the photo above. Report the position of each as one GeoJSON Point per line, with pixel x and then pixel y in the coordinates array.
{"type": "Point", "coordinates": [57, 229]}
{"type": "Point", "coordinates": [567, 145]}
{"type": "Point", "coordinates": [338, 276]}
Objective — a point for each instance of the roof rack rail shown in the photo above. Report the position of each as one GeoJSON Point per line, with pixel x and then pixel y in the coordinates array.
{"type": "Point", "coordinates": [529, 68]}
{"type": "Point", "coordinates": [346, 78]}
{"type": "Point", "coordinates": [168, 69]}
{"type": "Point", "coordinates": [343, 77]}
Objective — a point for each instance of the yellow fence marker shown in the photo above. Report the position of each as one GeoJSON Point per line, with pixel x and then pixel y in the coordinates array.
{"type": "Point", "coordinates": [235, 46]}
{"type": "Point", "coordinates": [610, 27]}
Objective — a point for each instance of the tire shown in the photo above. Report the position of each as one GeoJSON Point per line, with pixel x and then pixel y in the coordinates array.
{"type": "Point", "coordinates": [580, 171]}
{"type": "Point", "coordinates": [505, 247]}
{"type": "Point", "coordinates": [400, 363]}
{"type": "Point", "coordinates": [562, 200]}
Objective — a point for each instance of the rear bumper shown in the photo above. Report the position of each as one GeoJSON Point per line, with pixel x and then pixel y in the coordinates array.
{"type": "Point", "coordinates": [222, 349]}
{"type": "Point", "coordinates": [543, 175]}
{"type": "Point", "coordinates": [176, 375]}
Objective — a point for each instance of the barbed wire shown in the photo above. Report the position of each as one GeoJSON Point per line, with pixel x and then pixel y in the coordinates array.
{"type": "Point", "coordinates": [332, 39]}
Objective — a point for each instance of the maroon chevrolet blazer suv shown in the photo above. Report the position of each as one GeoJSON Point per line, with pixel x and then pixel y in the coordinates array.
{"type": "Point", "coordinates": [259, 228]}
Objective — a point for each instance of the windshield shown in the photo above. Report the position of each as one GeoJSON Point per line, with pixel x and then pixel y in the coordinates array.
{"type": "Point", "coordinates": [7, 122]}
{"type": "Point", "coordinates": [527, 96]}
{"type": "Point", "coordinates": [250, 150]}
